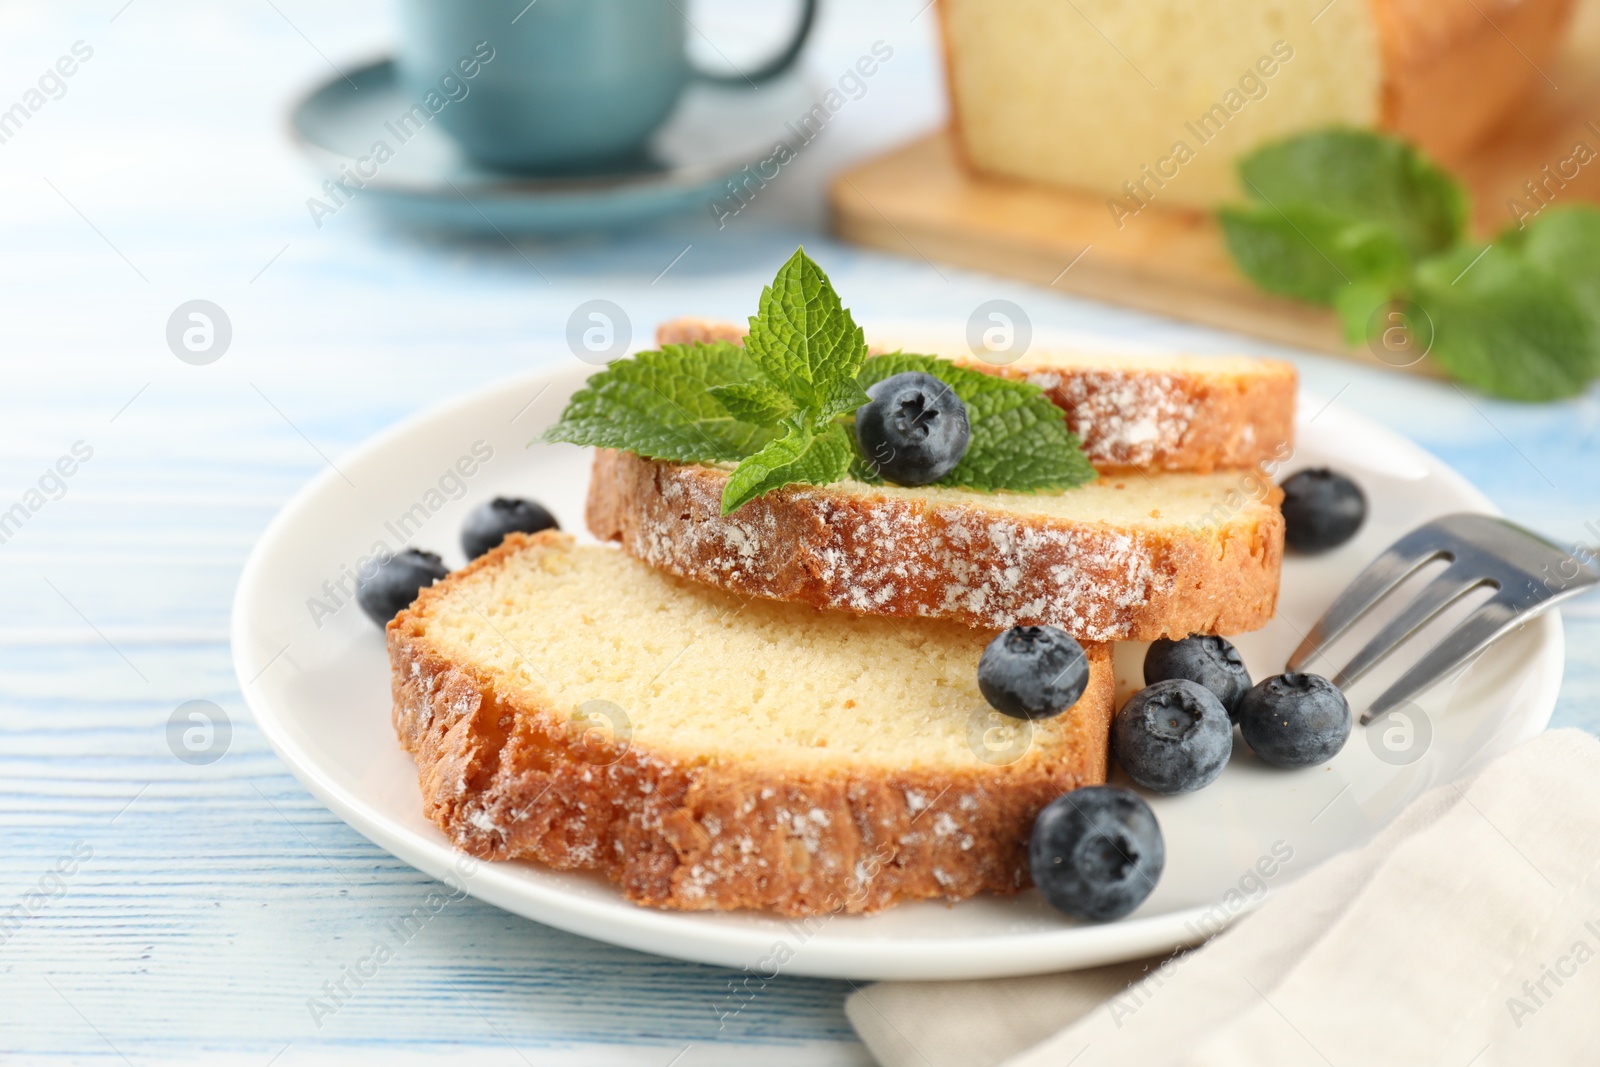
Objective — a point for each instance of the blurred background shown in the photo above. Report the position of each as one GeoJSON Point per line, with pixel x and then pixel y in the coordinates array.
{"type": "Point", "coordinates": [168, 168]}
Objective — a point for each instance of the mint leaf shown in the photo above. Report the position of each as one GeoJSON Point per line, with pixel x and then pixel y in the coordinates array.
{"type": "Point", "coordinates": [806, 343]}
{"type": "Point", "coordinates": [659, 404]}
{"type": "Point", "coordinates": [778, 407]}
{"type": "Point", "coordinates": [1308, 253]}
{"type": "Point", "coordinates": [1362, 177]}
{"type": "Point", "coordinates": [1565, 243]}
{"type": "Point", "coordinates": [801, 455]}
{"type": "Point", "coordinates": [1503, 325]}
{"type": "Point", "coordinates": [1356, 303]}
{"type": "Point", "coordinates": [1020, 441]}
{"type": "Point", "coordinates": [754, 402]}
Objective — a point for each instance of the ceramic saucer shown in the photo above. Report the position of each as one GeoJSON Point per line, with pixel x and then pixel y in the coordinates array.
{"type": "Point", "coordinates": [421, 177]}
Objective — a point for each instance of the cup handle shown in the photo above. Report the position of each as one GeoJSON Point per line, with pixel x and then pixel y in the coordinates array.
{"type": "Point", "coordinates": [777, 64]}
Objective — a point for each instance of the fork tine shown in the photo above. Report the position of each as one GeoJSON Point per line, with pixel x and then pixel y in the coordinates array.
{"type": "Point", "coordinates": [1460, 644]}
{"type": "Point", "coordinates": [1434, 598]}
{"type": "Point", "coordinates": [1397, 563]}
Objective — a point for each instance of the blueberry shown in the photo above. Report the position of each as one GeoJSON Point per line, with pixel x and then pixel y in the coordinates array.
{"type": "Point", "coordinates": [915, 429]}
{"type": "Point", "coordinates": [1033, 672]}
{"type": "Point", "coordinates": [1172, 737]}
{"type": "Point", "coordinates": [1097, 852]}
{"type": "Point", "coordinates": [489, 523]}
{"type": "Point", "coordinates": [1295, 720]}
{"type": "Point", "coordinates": [1211, 661]}
{"type": "Point", "coordinates": [1321, 510]}
{"type": "Point", "coordinates": [396, 582]}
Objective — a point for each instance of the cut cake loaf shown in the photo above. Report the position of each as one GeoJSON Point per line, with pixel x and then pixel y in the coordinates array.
{"type": "Point", "coordinates": [1132, 557]}
{"type": "Point", "coordinates": [1174, 413]}
{"type": "Point", "coordinates": [1155, 101]}
{"type": "Point", "coordinates": [573, 706]}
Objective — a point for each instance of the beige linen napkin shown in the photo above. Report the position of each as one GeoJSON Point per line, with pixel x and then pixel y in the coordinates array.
{"type": "Point", "coordinates": [1466, 934]}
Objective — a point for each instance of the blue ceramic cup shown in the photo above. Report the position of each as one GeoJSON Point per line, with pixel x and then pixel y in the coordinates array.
{"type": "Point", "coordinates": [556, 85]}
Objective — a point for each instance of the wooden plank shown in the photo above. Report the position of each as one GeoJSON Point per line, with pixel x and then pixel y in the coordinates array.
{"type": "Point", "coordinates": [920, 200]}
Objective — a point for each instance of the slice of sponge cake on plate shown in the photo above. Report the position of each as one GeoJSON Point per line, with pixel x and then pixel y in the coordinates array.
{"type": "Point", "coordinates": [1126, 558]}
{"type": "Point", "coordinates": [571, 705]}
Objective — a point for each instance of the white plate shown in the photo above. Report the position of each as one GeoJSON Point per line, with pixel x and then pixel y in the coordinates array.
{"type": "Point", "coordinates": [319, 690]}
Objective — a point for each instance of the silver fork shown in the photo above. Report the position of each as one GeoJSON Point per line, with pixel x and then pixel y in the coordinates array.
{"type": "Point", "coordinates": [1528, 574]}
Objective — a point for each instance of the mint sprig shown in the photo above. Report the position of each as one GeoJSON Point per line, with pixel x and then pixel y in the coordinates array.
{"type": "Point", "coordinates": [1353, 220]}
{"type": "Point", "coordinates": [1019, 440]}
{"type": "Point", "coordinates": [782, 406]}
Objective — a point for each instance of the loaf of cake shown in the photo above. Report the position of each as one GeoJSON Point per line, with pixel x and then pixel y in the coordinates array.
{"type": "Point", "coordinates": [1152, 102]}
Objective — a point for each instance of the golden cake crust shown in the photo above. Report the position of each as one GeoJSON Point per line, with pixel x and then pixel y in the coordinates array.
{"type": "Point", "coordinates": [1453, 72]}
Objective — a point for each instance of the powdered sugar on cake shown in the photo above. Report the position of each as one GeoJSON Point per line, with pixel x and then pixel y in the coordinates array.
{"type": "Point", "coordinates": [1123, 419]}
{"type": "Point", "coordinates": [881, 554]}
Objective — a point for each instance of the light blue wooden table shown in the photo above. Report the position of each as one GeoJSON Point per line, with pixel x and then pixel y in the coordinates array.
{"type": "Point", "coordinates": [155, 911]}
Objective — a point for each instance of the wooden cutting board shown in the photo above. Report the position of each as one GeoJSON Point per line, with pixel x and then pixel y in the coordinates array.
{"type": "Point", "coordinates": [920, 201]}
